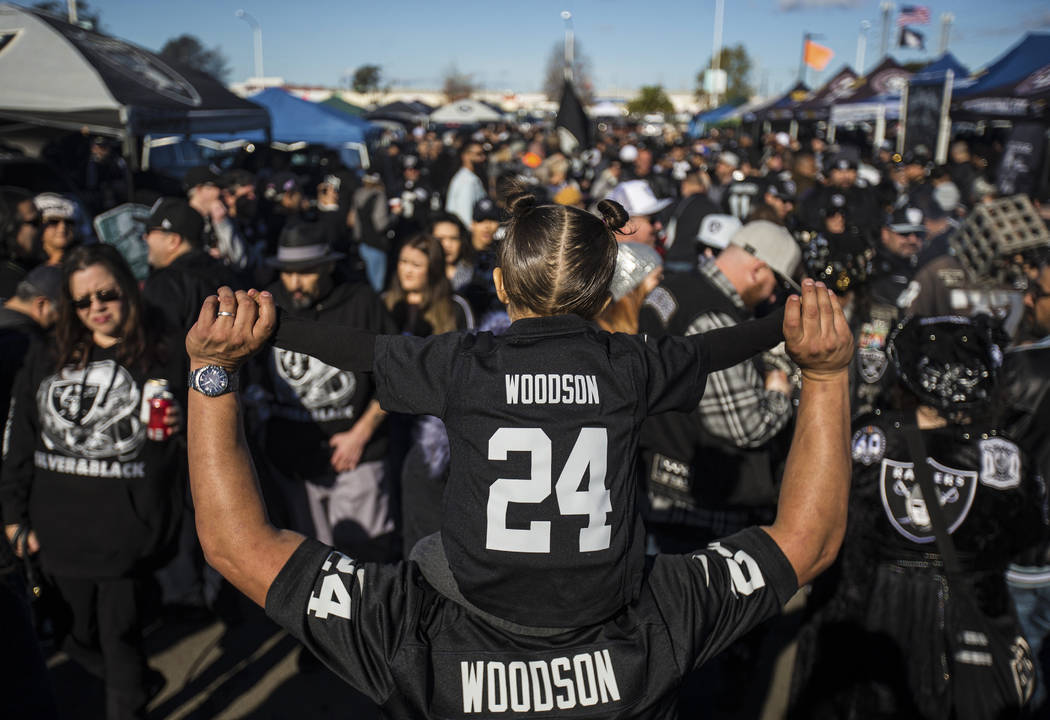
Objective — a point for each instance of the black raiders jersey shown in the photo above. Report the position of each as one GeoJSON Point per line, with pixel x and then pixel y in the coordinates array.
{"type": "Point", "coordinates": [387, 632]}
{"type": "Point", "coordinates": [543, 426]}
{"type": "Point", "coordinates": [991, 503]}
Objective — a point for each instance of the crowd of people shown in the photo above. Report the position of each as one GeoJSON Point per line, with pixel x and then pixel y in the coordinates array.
{"type": "Point", "coordinates": [604, 323]}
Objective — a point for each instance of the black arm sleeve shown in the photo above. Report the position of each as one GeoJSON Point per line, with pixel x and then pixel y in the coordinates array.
{"type": "Point", "coordinates": [733, 345]}
{"type": "Point", "coordinates": [336, 345]}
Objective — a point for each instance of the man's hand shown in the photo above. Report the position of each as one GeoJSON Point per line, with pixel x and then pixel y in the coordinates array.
{"type": "Point", "coordinates": [348, 447]}
{"type": "Point", "coordinates": [31, 543]}
{"type": "Point", "coordinates": [817, 336]}
{"type": "Point", "coordinates": [231, 327]}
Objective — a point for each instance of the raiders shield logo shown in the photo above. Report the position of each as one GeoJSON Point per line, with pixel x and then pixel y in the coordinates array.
{"type": "Point", "coordinates": [304, 380]}
{"type": "Point", "coordinates": [868, 445]}
{"type": "Point", "coordinates": [872, 364]}
{"type": "Point", "coordinates": [1000, 463]}
{"type": "Point", "coordinates": [904, 504]}
{"type": "Point", "coordinates": [1023, 669]}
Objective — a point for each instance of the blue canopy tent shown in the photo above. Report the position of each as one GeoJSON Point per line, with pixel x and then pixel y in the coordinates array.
{"type": "Point", "coordinates": [701, 121]}
{"type": "Point", "coordinates": [776, 108]}
{"type": "Point", "coordinates": [936, 71]}
{"type": "Point", "coordinates": [301, 121]}
{"type": "Point", "coordinates": [1016, 86]}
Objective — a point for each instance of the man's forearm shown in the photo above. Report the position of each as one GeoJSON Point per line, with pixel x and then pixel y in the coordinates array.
{"type": "Point", "coordinates": [229, 508]}
{"type": "Point", "coordinates": [811, 514]}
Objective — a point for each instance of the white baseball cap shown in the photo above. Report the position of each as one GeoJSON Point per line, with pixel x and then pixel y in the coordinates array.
{"type": "Point", "coordinates": [773, 245]}
{"type": "Point", "coordinates": [716, 230]}
{"type": "Point", "coordinates": [638, 198]}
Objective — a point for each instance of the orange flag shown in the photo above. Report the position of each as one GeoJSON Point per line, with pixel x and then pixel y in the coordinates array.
{"type": "Point", "coordinates": [817, 56]}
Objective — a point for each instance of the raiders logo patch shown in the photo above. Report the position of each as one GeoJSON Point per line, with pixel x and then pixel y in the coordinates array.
{"type": "Point", "coordinates": [868, 445]}
{"type": "Point", "coordinates": [306, 381]}
{"type": "Point", "coordinates": [872, 364]}
{"type": "Point", "coordinates": [663, 303]}
{"type": "Point", "coordinates": [904, 504]}
{"type": "Point", "coordinates": [1000, 463]}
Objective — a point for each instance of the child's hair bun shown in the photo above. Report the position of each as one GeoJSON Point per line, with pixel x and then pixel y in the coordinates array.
{"type": "Point", "coordinates": [519, 200]}
{"type": "Point", "coordinates": [613, 214]}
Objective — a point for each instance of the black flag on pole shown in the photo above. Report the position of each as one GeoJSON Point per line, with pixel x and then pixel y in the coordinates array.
{"type": "Point", "coordinates": [911, 39]}
{"type": "Point", "coordinates": [573, 125]}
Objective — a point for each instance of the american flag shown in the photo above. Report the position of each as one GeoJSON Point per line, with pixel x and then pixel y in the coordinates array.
{"type": "Point", "coordinates": [913, 15]}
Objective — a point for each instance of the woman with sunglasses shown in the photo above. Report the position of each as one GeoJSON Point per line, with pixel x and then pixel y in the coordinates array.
{"type": "Point", "coordinates": [57, 226]}
{"type": "Point", "coordinates": [83, 484]}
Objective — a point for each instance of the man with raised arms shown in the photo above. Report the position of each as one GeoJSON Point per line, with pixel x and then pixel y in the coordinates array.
{"type": "Point", "coordinates": [403, 634]}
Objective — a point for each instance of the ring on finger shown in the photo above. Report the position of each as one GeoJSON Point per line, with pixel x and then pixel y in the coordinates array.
{"type": "Point", "coordinates": [224, 313]}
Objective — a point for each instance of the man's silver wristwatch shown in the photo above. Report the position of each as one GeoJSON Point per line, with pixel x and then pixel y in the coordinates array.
{"type": "Point", "coordinates": [213, 380]}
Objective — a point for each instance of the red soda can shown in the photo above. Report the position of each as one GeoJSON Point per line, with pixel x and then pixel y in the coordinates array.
{"type": "Point", "coordinates": [158, 429]}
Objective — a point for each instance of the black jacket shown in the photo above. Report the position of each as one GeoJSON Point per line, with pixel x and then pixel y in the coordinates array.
{"type": "Point", "coordinates": [174, 294]}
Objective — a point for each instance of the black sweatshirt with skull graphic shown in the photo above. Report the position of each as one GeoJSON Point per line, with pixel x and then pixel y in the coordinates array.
{"type": "Point", "coordinates": [79, 469]}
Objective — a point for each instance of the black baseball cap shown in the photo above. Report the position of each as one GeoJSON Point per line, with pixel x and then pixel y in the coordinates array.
{"type": "Point", "coordinates": [906, 220]}
{"type": "Point", "coordinates": [281, 183]}
{"type": "Point", "coordinates": [200, 175]}
{"type": "Point", "coordinates": [43, 280]}
{"type": "Point", "coordinates": [485, 209]}
{"type": "Point", "coordinates": [175, 215]}
{"type": "Point", "coordinates": [783, 188]}
{"type": "Point", "coordinates": [238, 177]}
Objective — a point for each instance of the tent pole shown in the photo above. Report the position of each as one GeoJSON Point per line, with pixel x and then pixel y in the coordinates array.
{"type": "Point", "coordinates": [945, 126]}
{"type": "Point", "coordinates": [902, 122]}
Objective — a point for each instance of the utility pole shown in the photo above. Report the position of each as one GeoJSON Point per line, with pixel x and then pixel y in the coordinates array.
{"type": "Point", "coordinates": [887, 12]}
{"type": "Point", "coordinates": [802, 61]}
{"type": "Point", "coordinates": [567, 17]}
{"type": "Point", "coordinates": [72, 7]}
{"type": "Point", "coordinates": [946, 30]}
{"type": "Point", "coordinates": [862, 45]}
{"type": "Point", "coordinates": [257, 34]}
{"type": "Point", "coordinates": [716, 55]}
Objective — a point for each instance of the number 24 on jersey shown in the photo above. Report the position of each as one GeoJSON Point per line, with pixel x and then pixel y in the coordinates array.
{"type": "Point", "coordinates": [589, 453]}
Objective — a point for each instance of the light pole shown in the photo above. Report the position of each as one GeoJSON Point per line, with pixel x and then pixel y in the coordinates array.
{"type": "Point", "coordinates": [257, 33]}
{"type": "Point", "coordinates": [862, 44]}
{"type": "Point", "coordinates": [716, 49]}
{"type": "Point", "coordinates": [884, 42]}
{"type": "Point", "coordinates": [567, 17]}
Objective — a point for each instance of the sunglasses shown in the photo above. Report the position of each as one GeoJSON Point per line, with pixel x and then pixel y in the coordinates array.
{"type": "Point", "coordinates": [55, 221]}
{"type": "Point", "coordinates": [103, 296]}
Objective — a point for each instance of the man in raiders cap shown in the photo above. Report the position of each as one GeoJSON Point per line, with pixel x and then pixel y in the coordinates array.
{"type": "Point", "coordinates": [323, 434]}
{"type": "Point", "coordinates": [182, 272]}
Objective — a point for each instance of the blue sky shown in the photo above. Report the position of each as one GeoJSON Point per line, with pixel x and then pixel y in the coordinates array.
{"type": "Point", "coordinates": [505, 44]}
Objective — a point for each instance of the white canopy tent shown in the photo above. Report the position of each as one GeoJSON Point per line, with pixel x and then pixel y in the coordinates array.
{"type": "Point", "coordinates": [465, 112]}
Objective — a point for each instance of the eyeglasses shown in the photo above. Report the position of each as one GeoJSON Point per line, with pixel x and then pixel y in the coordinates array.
{"type": "Point", "coordinates": [55, 221]}
{"type": "Point", "coordinates": [103, 296]}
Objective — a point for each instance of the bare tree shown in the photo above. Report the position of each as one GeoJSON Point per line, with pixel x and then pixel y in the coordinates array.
{"type": "Point", "coordinates": [582, 76]}
{"type": "Point", "coordinates": [458, 85]}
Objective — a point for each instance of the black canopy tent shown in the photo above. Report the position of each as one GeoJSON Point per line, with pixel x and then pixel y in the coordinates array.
{"type": "Point", "coordinates": [55, 75]}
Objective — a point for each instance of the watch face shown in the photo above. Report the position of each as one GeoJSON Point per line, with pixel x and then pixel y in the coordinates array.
{"type": "Point", "coordinates": [213, 380]}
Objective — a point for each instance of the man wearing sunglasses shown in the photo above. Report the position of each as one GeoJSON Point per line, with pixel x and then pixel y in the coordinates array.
{"type": "Point", "coordinates": [58, 228]}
